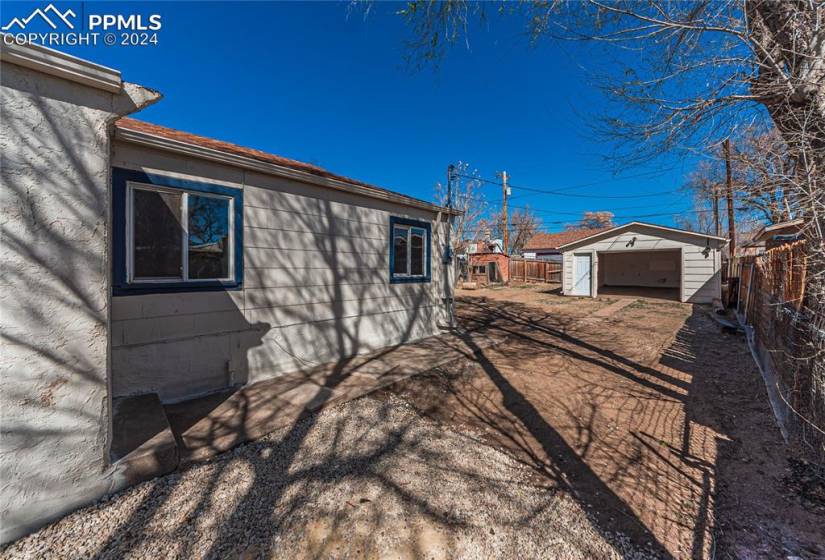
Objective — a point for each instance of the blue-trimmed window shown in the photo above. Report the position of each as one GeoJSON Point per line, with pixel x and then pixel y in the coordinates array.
{"type": "Point", "coordinates": [173, 235]}
{"type": "Point", "coordinates": [409, 250]}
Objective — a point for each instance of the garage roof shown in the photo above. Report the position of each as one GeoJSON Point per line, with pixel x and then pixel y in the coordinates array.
{"type": "Point", "coordinates": [617, 229]}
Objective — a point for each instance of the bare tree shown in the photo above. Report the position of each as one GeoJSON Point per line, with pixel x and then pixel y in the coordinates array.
{"type": "Point", "coordinates": [762, 171]}
{"type": "Point", "coordinates": [690, 222]}
{"type": "Point", "coordinates": [468, 198]}
{"type": "Point", "coordinates": [703, 184]}
{"type": "Point", "coordinates": [700, 59]}
{"type": "Point", "coordinates": [705, 70]}
{"type": "Point", "coordinates": [523, 225]}
{"type": "Point", "coordinates": [593, 220]}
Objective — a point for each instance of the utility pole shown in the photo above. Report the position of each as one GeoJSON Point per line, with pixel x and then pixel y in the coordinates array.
{"type": "Point", "coordinates": [504, 192]}
{"type": "Point", "coordinates": [450, 171]}
{"type": "Point", "coordinates": [449, 264]}
{"type": "Point", "coordinates": [717, 223]}
{"type": "Point", "coordinates": [729, 194]}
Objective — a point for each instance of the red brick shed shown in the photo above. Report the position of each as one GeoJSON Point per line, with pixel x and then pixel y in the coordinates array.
{"type": "Point", "coordinates": [489, 268]}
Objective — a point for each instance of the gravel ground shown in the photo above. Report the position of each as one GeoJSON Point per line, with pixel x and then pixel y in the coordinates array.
{"type": "Point", "coordinates": [366, 479]}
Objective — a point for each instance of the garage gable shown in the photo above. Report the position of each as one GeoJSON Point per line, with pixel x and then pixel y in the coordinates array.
{"type": "Point", "coordinates": [644, 236]}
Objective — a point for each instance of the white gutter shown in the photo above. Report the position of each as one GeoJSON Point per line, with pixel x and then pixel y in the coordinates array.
{"type": "Point", "coordinates": [56, 63]}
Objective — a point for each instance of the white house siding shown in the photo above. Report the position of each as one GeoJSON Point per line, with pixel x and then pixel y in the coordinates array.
{"type": "Point", "coordinates": [701, 280]}
{"type": "Point", "coordinates": [316, 289]}
{"type": "Point", "coordinates": [54, 305]}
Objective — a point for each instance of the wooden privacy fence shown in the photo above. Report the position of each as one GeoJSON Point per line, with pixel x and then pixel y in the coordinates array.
{"type": "Point", "coordinates": [777, 276]}
{"type": "Point", "coordinates": [788, 333]}
{"type": "Point", "coordinates": [535, 271]}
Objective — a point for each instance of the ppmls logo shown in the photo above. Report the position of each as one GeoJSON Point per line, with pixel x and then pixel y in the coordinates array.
{"type": "Point", "coordinates": [65, 17]}
{"type": "Point", "coordinates": [63, 27]}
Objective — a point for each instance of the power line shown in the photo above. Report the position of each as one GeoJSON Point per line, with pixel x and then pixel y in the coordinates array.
{"type": "Point", "coordinates": [631, 218]}
{"type": "Point", "coordinates": [560, 212]}
{"type": "Point", "coordinates": [561, 191]}
{"type": "Point", "coordinates": [572, 195]}
{"type": "Point", "coordinates": [570, 187]}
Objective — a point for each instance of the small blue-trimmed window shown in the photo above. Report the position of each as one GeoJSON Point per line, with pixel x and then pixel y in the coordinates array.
{"type": "Point", "coordinates": [409, 250]}
{"type": "Point", "coordinates": [172, 235]}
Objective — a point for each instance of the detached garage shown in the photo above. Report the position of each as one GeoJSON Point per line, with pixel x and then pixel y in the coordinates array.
{"type": "Point", "coordinates": [645, 259]}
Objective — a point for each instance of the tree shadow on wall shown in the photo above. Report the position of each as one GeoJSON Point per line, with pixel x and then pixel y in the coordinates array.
{"type": "Point", "coordinates": [54, 299]}
{"type": "Point", "coordinates": [316, 274]}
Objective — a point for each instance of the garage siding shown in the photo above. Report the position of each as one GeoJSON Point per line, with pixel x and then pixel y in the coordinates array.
{"type": "Point", "coordinates": [700, 271]}
{"type": "Point", "coordinates": [701, 275]}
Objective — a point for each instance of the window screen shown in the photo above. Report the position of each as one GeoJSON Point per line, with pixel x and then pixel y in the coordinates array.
{"type": "Point", "coordinates": [400, 246]}
{"type": "Point", "coordinates": [417, 252]}
{"type": "Point", "coordinates": [158, 234]}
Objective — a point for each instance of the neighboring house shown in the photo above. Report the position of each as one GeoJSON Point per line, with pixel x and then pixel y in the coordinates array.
{"type": "Point", "coordinates": [767, 237]}
{"type": "Point", "coordinates": [141, 259]}
{"type": "Point", "coordinates": [674, 263]}
{"type": "Point", "coordinates": [545, 246]}
{"type": "Point", "coordinates": [776, 235]}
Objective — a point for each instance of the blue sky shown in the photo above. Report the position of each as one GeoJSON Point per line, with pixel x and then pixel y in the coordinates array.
{"type": "Point", "coordinates": [320, 83]}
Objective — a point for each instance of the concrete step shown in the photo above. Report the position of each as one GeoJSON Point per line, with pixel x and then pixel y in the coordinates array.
{"type": "Point", "coordinates": [143, 445]}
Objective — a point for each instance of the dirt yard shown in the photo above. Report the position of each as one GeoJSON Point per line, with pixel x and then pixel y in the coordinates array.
{"type": "Point", "coordinates": [367, 479]}
{"type": "Point", "coordinates": [607, 428]}
{"type": "Point", "coordinates": [639, 409]}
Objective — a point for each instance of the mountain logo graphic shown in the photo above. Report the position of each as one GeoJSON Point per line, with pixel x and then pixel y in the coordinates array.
{"type": "Point", "coordinates": [43, 14]}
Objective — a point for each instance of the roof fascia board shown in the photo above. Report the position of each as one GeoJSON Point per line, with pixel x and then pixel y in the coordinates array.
{"type": "Point", "coordinates": [677, 230]}
{"type": "Point", "coordinates": [61, 65]}
{"type": "Point", "coordinates": [159, 142]}
{"type": "Point", "coordinates": [616, 229]}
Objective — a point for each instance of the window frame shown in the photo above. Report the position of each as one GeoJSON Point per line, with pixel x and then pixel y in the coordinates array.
{"type": "Point", "coordinates": [131, 187]}
{"type": "Point", "coordinates": [124, 184]}
{"type": "Point", "coordinates": [409, 225]}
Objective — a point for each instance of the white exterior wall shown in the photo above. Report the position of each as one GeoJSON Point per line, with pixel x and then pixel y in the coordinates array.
{"type": "Point", "coordinates": [54, 305]}
{"type": "Point", "coordinates": [316, 289]}
{"type": "Point", "coordinates": [701, 278]}
{"type": "Point", "coordinates": [567, 273]}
